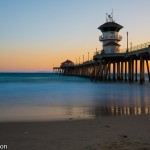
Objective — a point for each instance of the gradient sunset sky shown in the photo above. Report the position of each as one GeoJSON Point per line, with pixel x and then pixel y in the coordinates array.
{"type": "Point", "coordinates": [36, 35]}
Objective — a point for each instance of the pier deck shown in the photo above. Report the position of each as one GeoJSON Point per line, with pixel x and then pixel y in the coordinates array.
{"type": "Point", "coordinates": [116, 67]}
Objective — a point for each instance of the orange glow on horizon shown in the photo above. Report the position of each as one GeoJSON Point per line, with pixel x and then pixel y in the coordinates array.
{"type": "Point", "coordinates": [30, 61]}
{"type": "Point", "coordinates": [40, 59]}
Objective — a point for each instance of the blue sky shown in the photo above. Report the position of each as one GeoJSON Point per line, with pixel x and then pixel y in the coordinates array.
{"type": "Point", "coordinates": [43, 31]}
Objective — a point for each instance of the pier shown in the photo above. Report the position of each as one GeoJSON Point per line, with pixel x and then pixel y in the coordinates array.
{"type": "Point", "coordinates": [110, 64]}
{"type": "Point", "coordinates": [115, 67]}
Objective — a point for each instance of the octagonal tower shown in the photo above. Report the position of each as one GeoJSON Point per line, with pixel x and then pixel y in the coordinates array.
{"type": "Point", "coordinates": [110, 37]}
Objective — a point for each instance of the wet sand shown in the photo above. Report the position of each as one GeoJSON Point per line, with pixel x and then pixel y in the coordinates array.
{"type": "Point", "coordinates": [105, 133]}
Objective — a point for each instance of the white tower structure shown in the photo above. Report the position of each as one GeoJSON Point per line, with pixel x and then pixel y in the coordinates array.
{"type": "Point", "coordinates": [110, 37]}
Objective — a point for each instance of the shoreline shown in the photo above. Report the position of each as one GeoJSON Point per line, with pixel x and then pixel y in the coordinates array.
{"type": "Point", "coordinates": [106, 133]}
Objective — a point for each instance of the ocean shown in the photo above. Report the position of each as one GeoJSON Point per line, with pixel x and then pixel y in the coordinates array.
{"type": "Point", "coordinates": [52, 97]}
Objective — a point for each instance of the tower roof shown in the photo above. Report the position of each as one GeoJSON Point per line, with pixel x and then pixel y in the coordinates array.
{"type": "Point", "coordinates": [110, 26]}
{"type": "Point", "coordinates": [67, 61]}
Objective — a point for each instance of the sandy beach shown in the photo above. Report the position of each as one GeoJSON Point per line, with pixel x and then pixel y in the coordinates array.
{"type": "Point", "coordinates": [105, 133]}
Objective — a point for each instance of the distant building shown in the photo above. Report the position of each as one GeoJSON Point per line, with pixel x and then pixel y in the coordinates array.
{"type": "Point", "coordinates": [110, 37]}
{"type": "Point", "coordinates": [67, 63]}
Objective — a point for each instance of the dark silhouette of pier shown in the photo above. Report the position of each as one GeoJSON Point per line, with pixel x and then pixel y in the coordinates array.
{"type": "Point", "coordinates": [111, 64]}
{"type": "Point", "coordinates": [122, 66]}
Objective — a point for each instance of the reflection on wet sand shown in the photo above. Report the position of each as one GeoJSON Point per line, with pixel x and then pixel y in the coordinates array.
{"type": "Point", "coordinates": [115, 110]}
{"type": "Point", "coordinates": [100, 111]}
{"type": "Point", "coordinates": [123, 101]}
{"type": "Point", "coordinates": [79, 113]}
{"type": "Point", "coordinates": [70, 112]}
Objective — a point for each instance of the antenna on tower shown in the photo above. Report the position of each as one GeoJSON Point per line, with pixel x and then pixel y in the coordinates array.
{"type": "Point", "coordinates": [112, 14]}
{"type": "Point", "coordinates": [110, 18]}
{"type": "Point", "coordinates": [106, 17]}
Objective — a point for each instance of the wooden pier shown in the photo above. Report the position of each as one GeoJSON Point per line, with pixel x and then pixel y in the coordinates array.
{"type": "Point", "coordinates": [111, 63]}
{"type": "Point", "coordinates": [113, 67]}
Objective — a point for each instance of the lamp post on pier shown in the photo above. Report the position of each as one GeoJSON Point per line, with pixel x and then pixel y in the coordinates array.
{"type": "Point", "coordinates": [127, 43]}
{"type": "Point", "coordinates": [83, 58]}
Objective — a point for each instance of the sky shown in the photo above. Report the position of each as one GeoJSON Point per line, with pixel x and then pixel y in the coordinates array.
{"type": "Point", "coordinates": [36, 35]}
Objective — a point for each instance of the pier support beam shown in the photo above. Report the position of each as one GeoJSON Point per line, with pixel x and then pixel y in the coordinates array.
{"type": "Point", "coordinates": [102, 71]}
{"type": "Point", "coordinates": [121, 70]}
{"type": "Point", "coordinates": [125, 71]}
{"type": "Point", "coordinates": [132, 70]}
{"type": "Point", "coordinates": [129, 70]}
{"type": "Point", "coordinates": [148, 69]}
{"type": "Point", "coordinates": [97, 71]}
{"type": "Point", "coordinates": [118, 70]}
{"type": "Point", "coordinates": [142, 70]}
{"type": "Point", "coordinates": [92, 72]}
{"type": "Point", "coordinates": [114, 71]}
{"type": "Point", "coordinates": [136, 79]}
{"type": "Point", "coordinates": [106, 70]}
{"type": "Point", "coordinates": [109, 72]}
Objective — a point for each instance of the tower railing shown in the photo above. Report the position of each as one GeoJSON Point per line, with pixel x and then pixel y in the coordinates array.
{"type": "Point", "coordinates": [113, 37]}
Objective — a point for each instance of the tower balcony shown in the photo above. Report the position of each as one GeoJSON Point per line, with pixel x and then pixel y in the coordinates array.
{"type": "Point", "coordinates": [110, 37]}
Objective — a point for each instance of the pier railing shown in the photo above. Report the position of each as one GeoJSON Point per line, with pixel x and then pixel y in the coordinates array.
{"type": "Point", "coordinates": [134, 48]}
{"type": "Point", "coordinates": [137, 47]}
{"type": "Point", "coordinates": [141, 46]}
